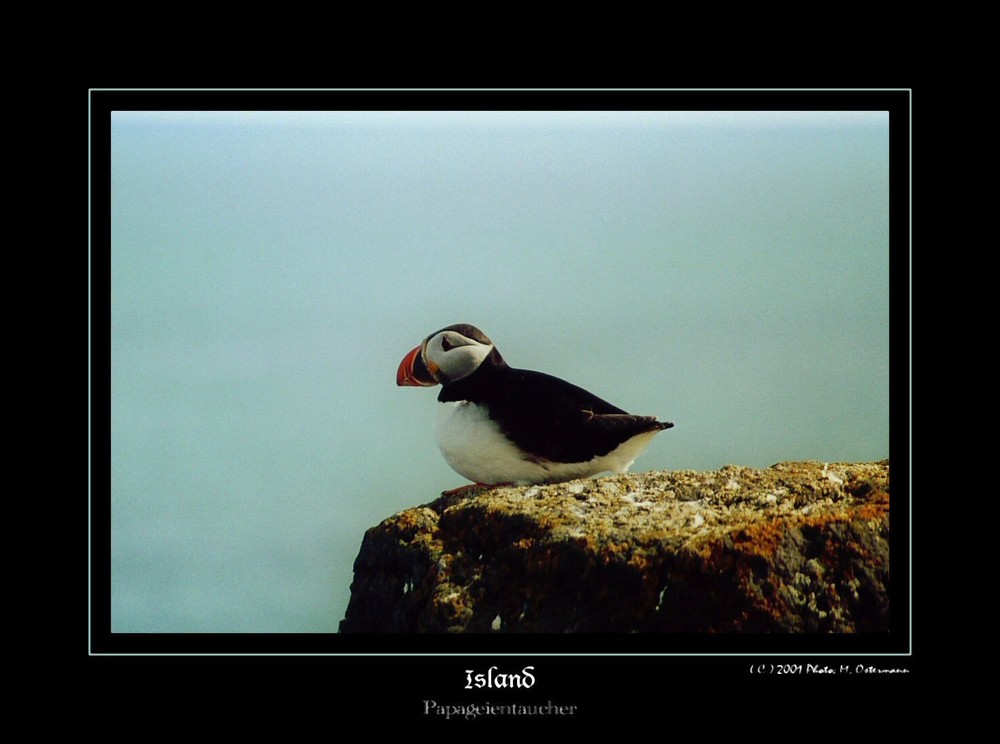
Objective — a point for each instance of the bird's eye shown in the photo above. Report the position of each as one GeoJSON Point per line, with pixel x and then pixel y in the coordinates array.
{"type": "Point", "coordinates": [445, 344]}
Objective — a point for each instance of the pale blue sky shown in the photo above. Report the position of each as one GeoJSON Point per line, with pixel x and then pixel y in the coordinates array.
{"type": "Point", "coordinates": [726, 271]}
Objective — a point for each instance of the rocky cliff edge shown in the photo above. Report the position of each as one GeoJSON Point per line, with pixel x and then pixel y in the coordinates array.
{"type": "Point", "coordinates": [798, 547]}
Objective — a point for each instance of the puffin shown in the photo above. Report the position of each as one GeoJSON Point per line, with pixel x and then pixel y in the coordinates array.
{"type": "Point", "coordinates": [501, 426]}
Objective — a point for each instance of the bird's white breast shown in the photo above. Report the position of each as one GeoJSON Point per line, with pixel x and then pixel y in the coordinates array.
{"type": "Point", "coordinates": [474, 446]}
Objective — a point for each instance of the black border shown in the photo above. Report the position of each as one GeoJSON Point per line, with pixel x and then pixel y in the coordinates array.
{"type": "Point", "coordinates": [449, 650]}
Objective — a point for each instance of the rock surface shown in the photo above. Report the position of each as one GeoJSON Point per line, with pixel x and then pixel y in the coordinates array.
{"type": "Point", "coordinates": [798, 547]}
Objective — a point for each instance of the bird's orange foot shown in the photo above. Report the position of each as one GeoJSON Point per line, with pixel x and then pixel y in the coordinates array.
{"type": "Point", "coordinates": [465, 490]}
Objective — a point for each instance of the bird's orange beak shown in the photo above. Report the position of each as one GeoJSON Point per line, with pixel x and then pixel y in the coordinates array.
{"type": "Point", "coordinates": [413, 371]}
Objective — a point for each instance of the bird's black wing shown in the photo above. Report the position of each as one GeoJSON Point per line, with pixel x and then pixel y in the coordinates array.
{"type": "Point", "coordinates": [554, 420]}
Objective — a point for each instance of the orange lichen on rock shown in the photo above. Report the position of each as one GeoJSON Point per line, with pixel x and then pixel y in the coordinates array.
{"type": "Point", "coordinates": [799, 547]}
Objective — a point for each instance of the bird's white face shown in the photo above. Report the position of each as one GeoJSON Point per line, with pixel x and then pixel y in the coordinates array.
{"type": "Point", "coordinates": [449, 355]}
{"type": "Point", "coordinates": [446, 356]}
